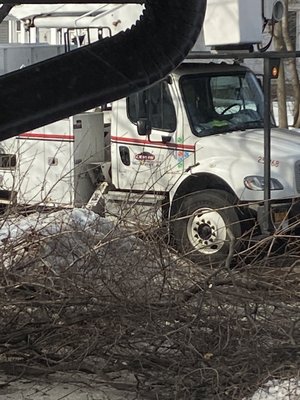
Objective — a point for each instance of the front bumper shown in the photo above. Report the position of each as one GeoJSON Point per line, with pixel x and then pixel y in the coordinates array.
{"type": "Point", "coordinates": [284, 216]}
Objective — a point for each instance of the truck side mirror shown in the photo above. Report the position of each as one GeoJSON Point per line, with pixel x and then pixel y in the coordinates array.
{"type": "Point", "coordinates": [144, 127]}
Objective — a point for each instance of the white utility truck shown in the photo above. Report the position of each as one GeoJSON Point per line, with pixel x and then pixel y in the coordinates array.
{"type": "Point", "coordinates": [189, 149]}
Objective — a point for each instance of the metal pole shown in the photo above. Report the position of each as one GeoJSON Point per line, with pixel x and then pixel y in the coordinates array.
{"type": "Point", "coordinates": [267, 226]}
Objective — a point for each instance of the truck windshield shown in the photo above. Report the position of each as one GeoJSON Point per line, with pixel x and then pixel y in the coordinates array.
{"type": "Point", "coordinates": [222, 103]}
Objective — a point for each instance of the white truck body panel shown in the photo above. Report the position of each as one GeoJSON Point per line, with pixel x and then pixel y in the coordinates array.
{"type": "Point", "coordinates": [242, 155]}
{"type": "Point", "coordinates": [55, 163]}
{"type": "Point", "coordinates": [155, 164]}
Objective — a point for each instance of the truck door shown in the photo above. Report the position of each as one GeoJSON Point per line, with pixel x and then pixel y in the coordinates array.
{"type": "Point", "coordinates": [45, 165]}
{"type": "Point", "coordinates": [146, 162]}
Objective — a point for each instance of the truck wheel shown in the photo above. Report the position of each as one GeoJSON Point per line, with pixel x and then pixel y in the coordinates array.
{"type": "Point", "coordinates": [206, 226]}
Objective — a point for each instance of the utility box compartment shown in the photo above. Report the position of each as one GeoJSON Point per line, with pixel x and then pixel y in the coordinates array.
{"type": "Point", "coordinates": [89, 148]}
{"type": "Point", "coordinates": [233, 22]}
{"type": "Point", "coordinates": [14, 56]}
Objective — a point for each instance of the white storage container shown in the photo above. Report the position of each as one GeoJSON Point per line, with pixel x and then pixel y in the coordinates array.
{"type": "Point", "coordinates": [233, 22]}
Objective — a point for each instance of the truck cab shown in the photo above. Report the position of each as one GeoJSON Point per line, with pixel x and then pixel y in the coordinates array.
{"type": "Point", "coordinates": [184, 112]}
{"type": "Point", "coordinates": [197, 138]}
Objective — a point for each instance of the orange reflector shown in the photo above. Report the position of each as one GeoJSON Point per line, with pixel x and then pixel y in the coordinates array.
{"type": "Point", "coordinates": [275, 72]}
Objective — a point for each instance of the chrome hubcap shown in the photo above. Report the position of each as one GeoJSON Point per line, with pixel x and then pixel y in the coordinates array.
{"type": "Point", "coordinates": [206, 231]}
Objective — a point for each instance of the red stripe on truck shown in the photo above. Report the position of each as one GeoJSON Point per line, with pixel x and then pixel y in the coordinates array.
{"type": "Point", "coordinates": [148, 143]}
{"type": "Point", "coordinates": [45, 136]}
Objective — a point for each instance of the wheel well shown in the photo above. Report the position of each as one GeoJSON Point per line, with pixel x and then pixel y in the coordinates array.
{"type": "Point", "coordinates": [195, 183]}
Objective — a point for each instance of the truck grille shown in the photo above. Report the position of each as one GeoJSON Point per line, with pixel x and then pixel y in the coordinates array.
{"type": "Point", "coordinates": [297, 175]}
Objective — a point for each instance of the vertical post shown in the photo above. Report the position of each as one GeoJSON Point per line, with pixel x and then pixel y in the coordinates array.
{"type": "Point", "coordinates": [267, 225]}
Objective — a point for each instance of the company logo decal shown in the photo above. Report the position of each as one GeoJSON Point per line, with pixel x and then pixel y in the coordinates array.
{"type": "Point", "coordinates": [145, 156]}
{"type": "Point", "coordinates": [181, 155]}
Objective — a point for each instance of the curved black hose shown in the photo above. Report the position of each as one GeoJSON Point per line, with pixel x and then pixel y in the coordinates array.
{"type": "Point", "coordinates": [103, 71]}
{"type": "Point", "coordinates": [266, 47]}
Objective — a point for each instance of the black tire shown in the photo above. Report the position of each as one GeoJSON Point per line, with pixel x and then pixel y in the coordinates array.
{"type": "Point", "coordinates": [207, 226]}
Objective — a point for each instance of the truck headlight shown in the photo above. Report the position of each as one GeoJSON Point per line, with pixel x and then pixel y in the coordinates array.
{"type": "Point", "coordinates": [254, 182]}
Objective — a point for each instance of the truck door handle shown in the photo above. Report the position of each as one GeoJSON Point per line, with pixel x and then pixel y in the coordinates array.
{"type": "Point", "coordinates": [124, 155]}
{"type": "Point", "coordinates": [166, 139]}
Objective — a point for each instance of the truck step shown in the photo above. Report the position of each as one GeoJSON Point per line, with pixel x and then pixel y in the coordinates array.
{"type": "Point", "coordinates": [144, 209]}
{"type": "Point", "coordinates": [96, 202]}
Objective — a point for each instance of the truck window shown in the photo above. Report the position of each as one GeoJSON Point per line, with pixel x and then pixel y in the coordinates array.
{"type": "Point", "coordinates": [231, 93]}
{"type": "Point", "coordinates": [156, 104]}
{"type": "Point", "coordinates": [222, 103]}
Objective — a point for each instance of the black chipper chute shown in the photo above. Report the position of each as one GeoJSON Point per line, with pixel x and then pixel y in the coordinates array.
{"type": "Point", "coordinates": [102, 72]}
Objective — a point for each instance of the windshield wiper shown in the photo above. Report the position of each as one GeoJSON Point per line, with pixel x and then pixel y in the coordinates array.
{"type": "Point", "coordinates": [217, 129]}
{"type": "Point", "coordinates": [250, 125]}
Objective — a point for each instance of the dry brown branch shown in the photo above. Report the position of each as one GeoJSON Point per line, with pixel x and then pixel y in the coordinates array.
{"type": "Point", "coordinates": [107, 303]}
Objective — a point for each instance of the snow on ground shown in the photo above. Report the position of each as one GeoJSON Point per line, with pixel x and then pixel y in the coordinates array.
{"type": "Point", "coordinates": [58, 233]}
{"type": "Point", "coordinates": [53, 223]}
{"type": "Point", "coordinates": [60, 386]}
{"type": "Point", "coordinates": [278, 390]}
{"type": "Point", "coordinates": [72, 221]}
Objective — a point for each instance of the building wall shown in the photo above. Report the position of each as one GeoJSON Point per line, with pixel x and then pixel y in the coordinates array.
{"type": "Point", "coordinates": [4, 33]}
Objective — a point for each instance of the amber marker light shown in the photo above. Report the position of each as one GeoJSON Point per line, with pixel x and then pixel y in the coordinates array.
{"type": "Point", "coordinates": [275, 72]}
